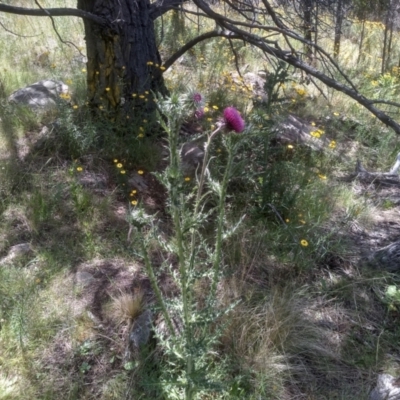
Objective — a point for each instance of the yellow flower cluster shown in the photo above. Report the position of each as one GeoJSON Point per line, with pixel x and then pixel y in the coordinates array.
{"type": "Point", "coordinates": [236, 85]}
{"type": "Point", "coordinates": [65, 96]}
{"type": "Point", "coordinates": [119, 166]}
{"type": "Point", "coordinates": [133, 192]}
{"type": "Point", "coordinates": [301, 92]}
{"type": "Point", "coordinates": [317, 133]}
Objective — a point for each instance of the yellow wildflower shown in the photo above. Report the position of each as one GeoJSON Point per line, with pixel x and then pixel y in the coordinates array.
{"type": "Point", "coordinates": [141, 135]}
{"type": "Point", "coordinates": [134, 202]}
{"type": "Point", "coordinates": [304, 243]}
{"type": "Point", "coordinates": [162, 68]}
{"type": "Point", "coordinates": [83, 69]}
{"type": "Point", "coordinates": [115, 160]}
{"type": "Point", "coordinates": [123, 172]}
{"type": "Point", "coordinates": [140, 172]}
{"type": "Point", "coordinates": [215, 107]}
{"type": "Point", "coordinates": [74, 106]}
{"type": "Point", "coordinates": [290, 146]}
{"type": "Point", "coordinates": [332, 144]}
{"type": "Point", "coordinates": [119, 165]}
{"type": "Point", "coordinates": [315, 134]}
{"type": "Point", "coordinates": [79, 169]}
{"type": "Point", "coordinates": [107, 89]}
{"type": "Point", "coordinates": [322, 177]}
{"type": "Point", "coordinates": [187, 179]}
{"type": "Point", "coordinates": [150, 63]}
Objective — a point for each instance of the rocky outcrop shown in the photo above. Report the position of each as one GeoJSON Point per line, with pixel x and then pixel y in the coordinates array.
{"type": "Point", "coordinates": [44, 94]}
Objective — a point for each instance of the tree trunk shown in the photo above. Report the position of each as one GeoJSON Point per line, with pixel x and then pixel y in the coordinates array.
{"type": "Point", "coordinates": [124, 65]}
{"type": "Point", "coordinates": [338, 28]}
{"type": "Point", "coordinates": [308, 27]}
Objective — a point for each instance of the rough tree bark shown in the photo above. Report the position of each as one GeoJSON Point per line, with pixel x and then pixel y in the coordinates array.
{"type": "Point", "coordinates": [124, 65]}
{"type": "Point", "coordinates": [338, 28]}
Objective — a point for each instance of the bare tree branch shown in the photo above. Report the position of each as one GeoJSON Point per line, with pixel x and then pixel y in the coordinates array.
{"type": "Point", "coordinates": [54, 12]}
{"type": "Point", "coordinates": [160, 7]}
{"type": "Point", "coordinates": [292, 59]}
{"type": "Point", "coordinates": [193, 43]}
{"type": "Point", "coordinates": [67, 42]}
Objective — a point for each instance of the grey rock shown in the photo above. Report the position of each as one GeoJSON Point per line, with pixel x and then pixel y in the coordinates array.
{"type": "Point", "coordinates": [192, 155]}
{"type": "Point", "coordinates": [40, 95]}
{"type": "Point", "coordinates": [138, 182]}
{"type": "Point", "coordinates": [387, 257]}
{"type": "Point", "coordinates": [141, 328]}
{"type": "Point", "coordinates": [386, 388]}
{"type": "Point", "coordinates": [17, 251]}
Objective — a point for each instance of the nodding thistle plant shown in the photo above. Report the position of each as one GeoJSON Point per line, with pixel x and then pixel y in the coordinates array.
{"type": "Point", "coordinates": [194, 317]}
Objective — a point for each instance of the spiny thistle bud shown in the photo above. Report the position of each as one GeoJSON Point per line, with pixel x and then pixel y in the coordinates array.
{"type": "Point", "coordinates": [233, 120]}
{"type": "Point", "coordinates": [197, 98]}
{"type": "Point", "coordinates": [199, 113]}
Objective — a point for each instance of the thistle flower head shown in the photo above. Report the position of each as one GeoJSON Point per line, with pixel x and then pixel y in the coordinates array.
{"type": "Point", "coordinates": [233, 120]}
{"type": "Point", "coordinates": [197, 98]}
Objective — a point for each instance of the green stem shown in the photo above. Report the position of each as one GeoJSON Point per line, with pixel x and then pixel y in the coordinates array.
{"type": "Point", "coordinates": [155, 286]}
{"type": "Point", "coordinates": [204, 167]}
{"type": "Point", "coordinates": [176, 202]}
{"type": "Point", "coordinates": [220, 223]}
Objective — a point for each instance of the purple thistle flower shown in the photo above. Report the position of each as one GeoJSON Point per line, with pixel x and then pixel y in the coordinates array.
{"type": "Point", "coordinates": [233, 120]}
{"type": "Point", "coordinates": [197, 98]}
{"type": "Point", "coordinates": [199, 113]}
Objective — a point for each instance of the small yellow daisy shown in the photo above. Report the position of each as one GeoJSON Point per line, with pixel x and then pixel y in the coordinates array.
{"type": "Point", "coordinates": [79, 169]}
{"type": "Point", "coordinates": [162, 68]}
{"type": "Point", "coordinates": [187, 179]}
{"type": "Point", "coordinates": [141, 135]}
{"type": "Point", "coordinates": [134, 202]}
{"type": "Point", "coordinates": [115, 160]}
{"type": "Point", "coordinates": [290, 146]}
{"type": "Point", "coordinates": [215, 107]}
{"type": "Point", "coordinates": [332, 144]}
{"type": "Point", "coordinates": [140, 172]}
{"type": "Point", "coordinates": [150, 63]}
{"type": "Point", "coordinates": [119, 165]}
{"type": "Point", "coordinates": [75, 107]}
{"type": "Point", "coordinates": [123, 172]}
{"type": "Point", "coordinates": [304, 243]}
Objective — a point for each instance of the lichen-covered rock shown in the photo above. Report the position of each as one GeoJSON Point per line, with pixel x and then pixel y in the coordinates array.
{"type": "Point", "coordinates": [140, 332]}
{"type": "Point", "coordinates": [387, 257]}
{"type": "Point", "coordinates": [387, 388]}
{"type": "Point", "coordinates": [40, 95]}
